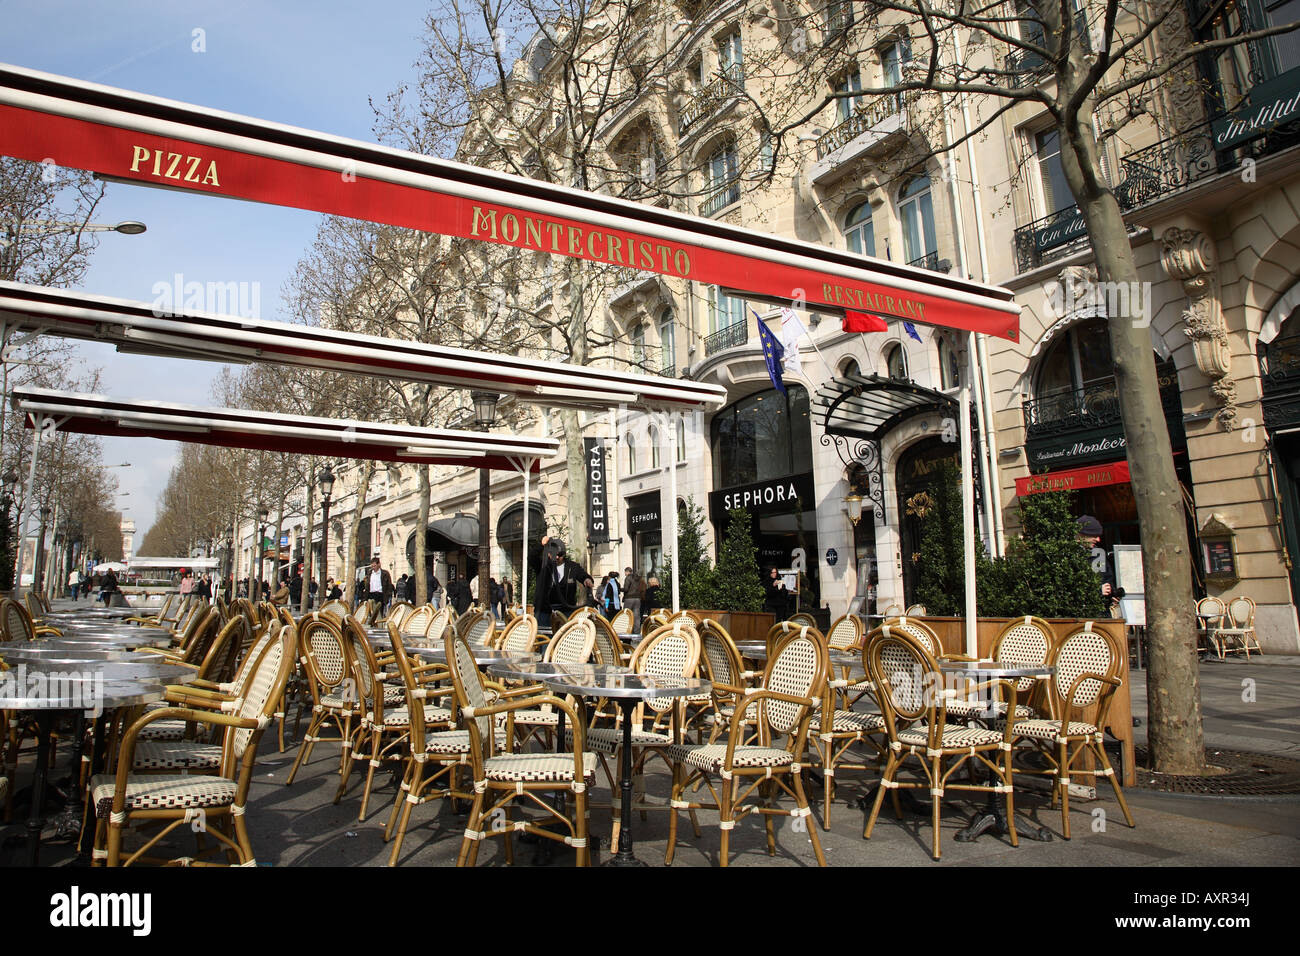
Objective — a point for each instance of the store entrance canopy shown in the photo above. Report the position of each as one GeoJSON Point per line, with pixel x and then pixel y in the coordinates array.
{"type": "Point", "coordinates": [122, 135]}
{"type": "Point", "coordinates": [868, 406]}
{"type": "Point", "coordinates": [236, 428]}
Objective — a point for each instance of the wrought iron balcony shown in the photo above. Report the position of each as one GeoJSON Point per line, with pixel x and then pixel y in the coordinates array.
{"type": "Point", "coordinates": [668, 371]}
{"type": "Point", "coordinates": [728, 195]}
{"type": "Point", "coordinates": [728, 337]}
{"type": "Point", "coordinates": [1053, 237]}
{"type": "Point", "coordinates": [1093, 407]}
{"type": "Point", "coordinates": [1026, 66]}
{"type": "Point", "coordinates": [711, 98]}
{"type": "Point", "coordinates": [928, 261]}
{"type": "Point", "coordinates": [1279, 363]}
{"type": "Point", "coordinates": [863, 119]}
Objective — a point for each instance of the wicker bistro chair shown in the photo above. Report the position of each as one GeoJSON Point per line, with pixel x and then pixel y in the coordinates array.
{"type": "Point", "coordinates": [802, 619]}
{"type": "Point", "coordinates": [907, 680]}
{"type": "Point", "coordinates": [158, 617]}
{"type": "Point", "coordinates": [337, 608]}
{"type": "Point", "coordinates": [670, 652]}
{"type": "Point", "coordinates": [386, 718]}
{"type": "Point", "coordinates": [792, 684]}
{"type": "Point", "coordinates": [1087, 672]}
{"type": "Point", "coordinates": [519, 635]}
{"type": "Point", "coordinates": [501, 780]}
{"type": "Point", "coordinates": [573, 643]}
{"type": "Point", "coordinates": [217, 802]}
{"type": "Point", "coordinates": [37, 611]}
{"type": "Point", "coordinates": [397, 613]}
{"type": "Point", "coordinates": [1025, 641]}
{"type": "Point", "coordinates": [1210, 614]}
{"type": "Point", "coordinates": [448, 750]}
{"type": "Point", "coordinates": [1238, 637]}
{"type": "Point", "coordinates": [417, 622]}
{"type": "Point", "coordinates": [19, 626]}
{"type": "Point", "coordinates": [728, 679]}
{"type": "Point", "coordinates": [623, 621]}
{"type": "Point", "coordinates": [325, 658]}
{"type": "Point", "coordinates": [915, 610]}
{"type": "Point", "coordinates": [480, 628]}
{"type": "Point", "coordinates": [924, 635]}
{"type": "Point", "coordinates": [653, 620]}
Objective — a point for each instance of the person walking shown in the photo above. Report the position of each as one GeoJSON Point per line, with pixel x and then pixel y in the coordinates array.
{"type": "Point", "coordinates": [74, 583]}
{"type": "Point", "coordinates": [558, 581]}
{"type": "Point", "coordinates": [633, 592]}
{"type": "Point", "coordinates": [611, 598]}
{"type": "Point", "coordinates": [281, 595]}
{"type": "Point", "coordinates": [379, 584]}
{"type": "Point", "coordinates": [187, 584]}
{"type": "Point", "coordinates": [108, 587]}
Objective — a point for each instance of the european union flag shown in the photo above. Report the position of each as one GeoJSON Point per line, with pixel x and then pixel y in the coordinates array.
{"type": "Point", "coordinates": [910, 329]}
{"type": "Point", "coordinates": [773, 353]}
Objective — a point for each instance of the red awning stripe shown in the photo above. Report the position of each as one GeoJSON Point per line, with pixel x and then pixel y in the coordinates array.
{"type": "Point", "coordinates": [1075, 479]}
{"type": "Point", "coordinates": [126, 136]}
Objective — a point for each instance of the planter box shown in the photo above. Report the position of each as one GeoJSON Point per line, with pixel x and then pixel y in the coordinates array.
{"type": "Point", "coordinates": [742, 625]}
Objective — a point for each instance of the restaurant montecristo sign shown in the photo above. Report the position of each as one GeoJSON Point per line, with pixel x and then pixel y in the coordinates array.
{"type": "Point", "coordinates": [1269, 104]}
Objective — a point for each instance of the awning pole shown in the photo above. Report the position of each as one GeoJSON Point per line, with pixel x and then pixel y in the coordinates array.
{"type": "Point", "coordinates": [39, 423]}
{"type": "Point", "coordinates": [523, 575]}
{"type": "Point", "coordinates": [968, 518]}
{"type": "Point", "coordinates": [672, 507]}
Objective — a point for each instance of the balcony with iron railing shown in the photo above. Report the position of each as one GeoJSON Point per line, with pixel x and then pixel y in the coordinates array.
{"type": "Point", "coordinates": [728, 85]}
{"type": "Point", "coordinates": [1093, 408]}
{"type": "Point", "coordinates": [863, 119]}
{"type": "Point", "coordinates": [1279, 372]}
{"type": "Point", "coordinates": [728, 337]}
{"type": "Point", "coordinates": [1027, 67]}
{"type": "Point", "coordinates": [727, 195]}
{"type": "Point", "coordinates": [929, 261]}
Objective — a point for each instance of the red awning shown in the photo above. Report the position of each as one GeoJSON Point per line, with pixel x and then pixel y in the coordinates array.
{"type": "Point", "coordinates": [1076, 479]}
{"type": "Point", "coordinates": [237, 428]}
{"type": "Point", "coordinates": [128, 136]}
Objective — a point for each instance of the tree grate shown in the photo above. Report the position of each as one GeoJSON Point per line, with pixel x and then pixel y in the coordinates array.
{"type": "Point", "coordinates": [1245, 775]}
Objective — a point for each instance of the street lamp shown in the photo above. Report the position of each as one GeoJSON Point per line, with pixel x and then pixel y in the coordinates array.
{"type": "Point", "coordinates": [262, 513]}
{"type": "Point", "coordinates": [854, 503]}
{"type": "Point", "coordinates": [485, 414]}
{"type": "Point", "coordinates": [325, 481]}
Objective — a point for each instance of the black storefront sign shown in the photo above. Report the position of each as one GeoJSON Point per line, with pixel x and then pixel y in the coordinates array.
{"type": "Point", "coordinates": [1069, 227]}
{"type": "Point", "coordinates": [774, 496]}
{"type": "Point", "coordinates": [643, 513]}
{"type": "Point", "coordinates": [597, 491]}
{"type": "Point", "coordinates": [1076, 448]}
{"type": "Point", "coordinates": [1269, 104]}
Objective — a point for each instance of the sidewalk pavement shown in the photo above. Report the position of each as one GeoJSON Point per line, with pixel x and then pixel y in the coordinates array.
{"type": "Point", "coordinates": [1251, 706]}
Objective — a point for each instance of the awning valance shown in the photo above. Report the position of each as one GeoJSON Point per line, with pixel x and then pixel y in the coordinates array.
{"type": "Point", "coordinates": [128, 136]}
{"type": "Point", "coordinates": [237, 428]}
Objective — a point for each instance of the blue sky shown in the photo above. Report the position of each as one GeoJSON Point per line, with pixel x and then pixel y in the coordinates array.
{"type": "Point", "coordinates": [313, 64]}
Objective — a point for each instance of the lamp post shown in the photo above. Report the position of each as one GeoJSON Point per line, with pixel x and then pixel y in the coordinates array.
{"type": "Point", "coordinates": [325, 481]}
{"type": "Point", "coordinates": [262, 514]}
{"type": "Point", "coordinates": [38, 570]}
{"type": "Point", "coordinates": [485, 414]}
{"type": "Point", "coordinates": [10, 480]}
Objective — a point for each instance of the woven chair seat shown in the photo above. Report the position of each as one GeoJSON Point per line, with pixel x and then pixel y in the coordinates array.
{"type": "Point", "coordinates": [710, 756]}
{"type": "Point", "coordinates": [163, 792]}
{"type": "Point", "coordinates": [401, 716]}
{"type": "Point", "coordinates": [1051, 729]}
{"type": "Point", "coordinates": [453, 742]}
{"type": "Point", "coordinates": [954, 737]}
{"type": "Point", "coordinates": [163, 730]}
{"type": "Point", "coordinates": [394, 694]}
{"type": "Point", "coordinates": [607, 740]}
{"type": "Point", "coordinates": [336, 702]}
{"type": "Point", "coordinates": [536, 768]}
{"type": "Point", "coordinates": [538, 718]}
{"type": "Point", "coordinates": [176, 755]}
{"type": "Point", "coordinates": [973, 709]}
{"type": "Point", "coordinates": [852, 721]}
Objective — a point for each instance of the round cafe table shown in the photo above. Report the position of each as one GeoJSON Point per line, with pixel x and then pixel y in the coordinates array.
{"type": "Point", "coordinates": [994, 816]}
{"type": "Point", "coordinates": [628, 690]}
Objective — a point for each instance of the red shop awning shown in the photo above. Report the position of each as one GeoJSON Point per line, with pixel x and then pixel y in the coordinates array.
{"type": "Point", "coordinates": [1076, 479]}
{"type": "Point", "coordinates": [128, 136]}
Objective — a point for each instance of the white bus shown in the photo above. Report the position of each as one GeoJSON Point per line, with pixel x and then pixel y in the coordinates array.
{"type": "Point", "coordinates": [147, 581]}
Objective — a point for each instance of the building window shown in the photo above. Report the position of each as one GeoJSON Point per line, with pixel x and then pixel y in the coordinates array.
{"type": "Point", "coordinates": [1077, 359]}
{"type": "Point", "coordinates": [681, 438]}
{"type": "Point", "coordinates": [731, 58]}
{"type": "Point", "coordinates": [916, 211]}
{"type": "Point", "coordinates": [1051, 175]}
{"type": "Point", "coordinates": [859, 233]}
{"type": "Point", "coordinates": [762, 436]}
{"type": "Point", "coordinates": [638, 344]}
{"type": "Point", "coordinates": [667, 341]}
{"type": "Point", "coordinates": [839, 16]}
{"type": "Point", "coordinates": [893, 59]}
{"type": "Point", "coordinates": [949, 366]}
{"type": "Point", "coordinates": [846, 104]}
{"type": "Point", "coordinates": [655, 440]}
{"type": "Point", "coordinates": [724, 311]}
{"type": "Point", "coordinates": [631, 455]}
{"type": "Point", "coordinates": [722, 178]}
{"type": "Point", "coordinates": [896, 362]}
{"type": "Point", "coordinates": [1241, 66]}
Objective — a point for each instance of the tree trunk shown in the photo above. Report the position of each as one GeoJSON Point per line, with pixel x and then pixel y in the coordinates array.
{"type": "Point", "coordinates": [308, 565]}
{"type": "Point", "coordinates": [422, 595]}
{"type": "Point", "coordinates": [350, 560]}
{"type": "Point", "coordinates": [1173, 674]}
{"type": "Point", "coordinates": [575, 465]}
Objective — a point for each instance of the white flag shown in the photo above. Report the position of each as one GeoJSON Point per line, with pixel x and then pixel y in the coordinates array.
{"type": "Point", "coordinates": [792, 330]}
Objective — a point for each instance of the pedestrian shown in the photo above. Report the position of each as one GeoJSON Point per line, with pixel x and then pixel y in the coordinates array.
{"type": "Point", "coordinates": [498, 599]}
{"type": "Point", "coordinates": [187, 583]}
{"type": "Point", "coordinates": [333, 592]}
{"type": "Point", "coordinates": [85, 585]}
{"type": "Point", "coordinates": [108, 587]}
{"type": "Point", "coordinates": [459, 596]}
{"type": "Point", "coordinates": [610, 598]}
{"type": "Point", "coordinates": [379, 585]}
{"type": "Point", "coordinates": [776, 599]}
{"type": "Point", "coordinates": [203, 588]}
{"type": "Point", "coordinates": [312, 588]}
{"type": "Point", "coordinates": [1090, 532]}
{"type": "Point", "coordinates": [434, 590]}
{"type": "Point", "coordinates": [74, 583]}
{"type": "Point", "coordinates": [558, 581]}
{"type": "Point", "coordinates": [508, 591]}
{"type": "Point", "coordinates": [633, 592]}
{"type": "Point", "coordinates": [295, 589]}
{"type": "Point", "coordinates": [281, 596]}
{"type": "Point", "coordinates": [650, 601]}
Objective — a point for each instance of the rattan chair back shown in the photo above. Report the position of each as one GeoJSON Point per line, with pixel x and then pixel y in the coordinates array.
{"type": "Point", "coordinates": [652, 620]}
{"type": "Point", "coordinates": [17, 622]}
{"type": "Point", "coordinates": [261, 695]}
{"type": "Point", "coordinates": [803, 618]}
{"type": "Point", "coordinates": [721, 657]}
{"type": "Point", "coordinates": [609, 648]}
{"type": "Point", "coordinates": [324, 654]}
{"type": "Point", "coordinates": [918, 631]}
{"type": "Point", "coordinates": [1212, 610]}
{"type": "Point", "coordinates": [1241, 611]}
{"type": "Point", "coordinates": [798, 669]}
{"type": "Point", "coordinates": [892, 610]}
{"type": "Point", "coordinates": [223, 654]}
{"type": "Point", "coordinates": [34, 607]}
{"type": "Point", "coordinates": [573, 643]}
{"type": "Point", "coordinates": [905, 674]}
{"type": "Point", "coordinates": [669, 653]}
{"type": "Point", "coordinates": [398, 612]}
{"type": "Point", "coordinates": [369, 676]}
{"type": "Point", "coordinates": [623, 621]}
{"type": "Point", "coordinates": [417, 622]}
{"type": "Point", "coordinates": [519, 636]}
{"type": "Point", "coordinates": [439, 624]}
{"type": "Point", "coordinates": [845, 634]}
{"type": "Point", "coordinates": [1081, 653]}
{"type": "Point", "coordinates": [337, 608]}
{"type": "Point", "coordinates": [915, 610]}
{"type": "Point", "coordinates": [202, 636]}
{"type": "Point", "coordinates": [471, 696]}
{"type": "Point", "coordinates": [1026, 642]}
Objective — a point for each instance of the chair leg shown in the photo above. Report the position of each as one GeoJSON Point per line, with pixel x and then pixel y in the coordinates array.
{"type": "Point", "coordinates": [469, 847]}
{"type": "Point", "coordinates": [1063, 784]}
{"type": "Point", "coordinates": [580, 825]}
{"type": "Point", "coordinates": [936, 801]}
{"type": "Point", "coordinates": [306, 747]}
{"type": "Point", "coordinates": [676, 792]}
{"type": "Point", "coordinates": [1114, 782]}
{"type": "Point", "coordinates": [1008, 781]}
{"type": "Point", "coordinates": [407, 796]}
{"type": "Point", "coordinates": [725, 812]}
{"type": "Point", "coordinates": [885, 782]}
{"type": "Point", "coordinates": [768, 825]}
{"type": "Point", "coordinates": [812, 827]}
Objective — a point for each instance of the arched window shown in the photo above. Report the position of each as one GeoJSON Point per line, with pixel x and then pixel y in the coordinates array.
{"type": "Point", "coordinates": [762, 436]}
{"type": "Point", "coordinates": [638, 344]}
{"type": "Point", "coordinates": [667, 341]}
{"type": "Point", "coordinates": [916, 211]}
{"type": "Point", "coordinates": [849, 367]}
{"type": "Point", "coordinates": [1076, 359]}
{"type": "Point", "coordinates": [859, 233]}
{"type": "Point", "coordinates": [896, 362]}
{"type": "Point", "coordinates": [722, 179]}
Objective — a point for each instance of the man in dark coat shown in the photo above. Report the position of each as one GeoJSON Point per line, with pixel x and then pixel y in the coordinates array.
{"type": "Point", "coordinates": [559, 581]}
{"type": "Point", "coordinates": [378, 584]}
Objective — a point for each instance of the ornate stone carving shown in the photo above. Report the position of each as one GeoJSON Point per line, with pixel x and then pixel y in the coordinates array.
{"type": "Point", "coordinates": [1183, 90]}
{"type": "Point", "coordinates": [1188, 256]}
